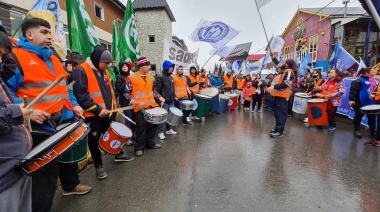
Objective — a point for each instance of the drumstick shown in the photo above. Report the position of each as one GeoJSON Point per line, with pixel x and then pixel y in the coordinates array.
{"type": "Point", "coordinates": [28, 120]}
{"type": "Point", "coordinates": [54, 104]}
{"type": "Point", "coordinates": [126, 117]}
{"type": "Point", "coordinates": [122, 108]}
{"type": "Point", "coordinates": [45, 91]}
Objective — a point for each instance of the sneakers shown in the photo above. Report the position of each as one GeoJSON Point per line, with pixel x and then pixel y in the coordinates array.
{"type": "Point", "coordinates": [252, 111]}
{"type": "Point", "coordinates": [157, 146]}
{"type": "Point", "coordinates": [161, 136]}
{"type": "Point", "coordinates": [273, 131]}
{"type": "Point", "coordinates": [358, 134]}
{"type": "Point", "coordinates": [78, 190]}
{"type": "Point", "coordinates": [259, 111]}
{"type": "Point", "coordinates": [306, 120]}
{"type": "Point", "coordinates": [187, 119]}
{"type": "Point", "coordinates": [100, 173]}
{"type": "Point", "coordinates": [186, 123]}
{"type": "Point", "coordinates": [138, 153]}
{"type": "Point", "coordinates": [276, 134]}
{"type": "Point", "coordinates": [195, 118]}
{"type": "Point", "coordinates": [129, 142]}
{"type": "Point", "coordinates": [123, 158]}
{"type": "Point", "coordinates": [171, 132]}
{"type": "Point", "coordinates": [331, 128]}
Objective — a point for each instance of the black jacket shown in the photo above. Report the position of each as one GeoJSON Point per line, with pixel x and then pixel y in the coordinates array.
{"type": "Point", "coordinates": [164, 85]}
{"type": "Point", "coordinates": [120, 86]}
{"type": "Point", "coordinates": [355, 91]}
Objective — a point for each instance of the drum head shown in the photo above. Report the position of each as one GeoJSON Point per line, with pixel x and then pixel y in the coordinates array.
{"type": "Point", "coordinates": [157, 111]}
{"type": "Point", "coordinates": [187, 102]}
{"type": "Point", "coordinates": [176, 111]}
{"type": "Point", "coordinates": [223, 96]}
{"type": "Point", "coordinates": [317, 100]}
{"type": "Point", "coordinates": [121, 129]}
{"type": "Point", "coordinates": [370, 107]}
{"type": "Point", "coordinates": [230, 94]}
{"type": "Point", "coordinates": [202, 96]}
{"type": "Point", "coordinates": [54, 139]}
{"type": "Point", "coordinates": [210, 91]}
{"type": "Point", "coordinates": [302, 95]}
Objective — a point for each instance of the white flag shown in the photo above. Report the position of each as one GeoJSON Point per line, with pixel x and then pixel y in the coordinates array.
{"type": "Point", "coordinates": [276, 44]}
{"type": "Point", "coordinates": [266, 59]}
{"type": "Point", "coordinates": [223, 52]}
{"type": "Point", "coordinates": [261, 3]}
{"type": "Point", "coordinates": [216, 33]}
{"type": "Point", "coordinates": [361, 65]}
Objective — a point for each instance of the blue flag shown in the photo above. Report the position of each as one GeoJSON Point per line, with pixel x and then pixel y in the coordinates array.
{"type": "Point", "coordinates": [341, 59]}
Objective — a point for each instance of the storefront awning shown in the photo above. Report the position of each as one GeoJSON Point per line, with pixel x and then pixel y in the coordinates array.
{"type": "Point", "coordinates": [344, 21]}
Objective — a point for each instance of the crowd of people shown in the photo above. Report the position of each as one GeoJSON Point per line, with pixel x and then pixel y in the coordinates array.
{"type": "Point", "coordinates": [28, 67]}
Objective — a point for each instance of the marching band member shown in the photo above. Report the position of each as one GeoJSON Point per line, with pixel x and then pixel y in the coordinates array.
{"type": "Point", "coordinates": [204, 81]}
{"type": "Point", "coordinates": [193, 82]}
{"type": "Point", "coordinates": [181, 91]}
{"type": "Point", "coordinates": [229, 82]}
{"type": "Point", "coordinates": [37, 69]}
{"type": "Point", "coordinates": [142, 94]}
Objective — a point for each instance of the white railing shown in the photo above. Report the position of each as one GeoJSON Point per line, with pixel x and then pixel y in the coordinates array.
{"type": "Point", "coordinates": [300, 54]}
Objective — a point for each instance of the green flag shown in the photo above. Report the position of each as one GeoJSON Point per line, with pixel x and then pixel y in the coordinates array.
{"type": "Point", "coordinates": [115, 40]}
{"type": "Point", "coordinates": [82, 35]}
{"type": "Point", "coordinates": [129, 49]}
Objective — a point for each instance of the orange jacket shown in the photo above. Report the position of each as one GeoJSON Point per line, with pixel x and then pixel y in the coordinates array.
{"type": "Point", "coordinates": [239, 84]}
{"type": "Point", "coordinates": [195, 88]}
{"type": "Point", "coordinates": [142, 91]}
{"type": "Point", "coordinates": [94, 89]}
{"type": "Point", "coordinates": [37, 77]}
{"type": "Point", "coordinates": [377, 97]}
{"type": "Point", "coordinates": [248, 93]}
{"type": "Point", "coordinates": [319, 83]}
{"type": "Point", "coordinates": [229, 81]}
{"type": "Point", "coordinates": [285, 93]}
{"type": "Point", "coordinates": [180, 86]}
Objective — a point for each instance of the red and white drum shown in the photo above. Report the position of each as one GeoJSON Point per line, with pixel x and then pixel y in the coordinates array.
{"type": "Point", "coordinates": [114, 139]}
{"type": "Point", "coordinates": [233, 102]}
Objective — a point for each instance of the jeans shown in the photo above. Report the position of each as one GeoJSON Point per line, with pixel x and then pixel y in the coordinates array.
{"type": "Point", "coordinates": [331, 117]}
{"type": "Point", "coordinates": [280, 113]}
{"type": "Point", "coordinates": [130, 114]}
{"type": "Point", "coordinates": [164, 126]}
{"type": "Point", "coordinates": [98, 127]}
{"type": "Point", "coordinates": [18, 197]}
{"type": "Point", "coordinates": [145, 133]}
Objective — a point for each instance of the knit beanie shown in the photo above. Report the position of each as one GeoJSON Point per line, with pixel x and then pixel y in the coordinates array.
{"type": "Point", "coordinates": [142, 61]}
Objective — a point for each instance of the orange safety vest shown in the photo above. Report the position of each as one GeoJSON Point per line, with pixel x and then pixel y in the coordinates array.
{"type": "Point", "coordinates": [142, 91]}
{"type": "Point", "coordinates": [195, 88]}
{"type": "Point", "coordinates": [37, 77]}
{"type": "Point", "coordinates": [377, 97]}
{"type": "Point", "coordinates": [205, 80]}
{"type": "Point", "coordinates": [229, 81]}
{"type": "Point", "coordinates": [319, 83]}
{"type": "Point", "coordinates": [94, 89]}
{"type": "Point", "coordinates": [180, 86]}
{"type": "Point", "coordinates": [285, 93]}
{"type": "Point", "coordinates": [239, 84]}
{"type": "Point", "coordinates": [331, 89]}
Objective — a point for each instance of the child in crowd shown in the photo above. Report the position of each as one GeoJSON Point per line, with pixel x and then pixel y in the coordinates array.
{"type": "Point", "coordinates": [248, 91]}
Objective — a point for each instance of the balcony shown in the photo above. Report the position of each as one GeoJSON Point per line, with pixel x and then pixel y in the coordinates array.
{"type": "Point", "coordinates": [298, 55]}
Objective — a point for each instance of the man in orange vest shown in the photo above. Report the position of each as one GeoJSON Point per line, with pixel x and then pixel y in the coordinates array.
{"type": "Point", "coordinates": [229, 82]}
{"type": "Point", "coordinates": [281, 89]}
{"type": "Point", "coordinates": [193, 81]}
{"type": "Point", "coordinates": [94, 93]}
{"type": "Point", "coordinates": [143, 95]}
{"type": "Point", "coordinates": [181, 91]}
{"type": "Point", "coordinates": [239, 85]}
{"type": "Point", "coordinates": [203, 80]}
{"type": "Point", "coordinates": [37, 68]}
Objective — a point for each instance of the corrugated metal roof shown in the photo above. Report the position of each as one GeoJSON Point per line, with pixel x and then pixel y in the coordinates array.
{"type": "Point", "coordinates": [153, 4]}
{"type": "Point", "coordinates": [338, 11]}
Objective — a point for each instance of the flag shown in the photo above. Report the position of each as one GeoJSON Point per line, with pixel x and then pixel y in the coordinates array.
{"type": "Point", "coordinates": [361, 65]}
{"type": "Point", "coordinates": [276, 44]}
{"type": "Point", "coordinates": [50, 11]}
{"type": "Point", "coordinates": [261, 3]}
{"type": "Point", "coordinates": [223, 52]}
{"type": "Point", "coordinates": [115, 40]}
{"type": "Point", "coordinates": [82, 33]}
{"type": "Point", "coordinates": [129, 49]}
{"type": "Point", "coordinates": [266, 59]}
{"type": "Point", "coordinates": [304, 64]}
{"type": "Point", "coordinates": [341, 59]}
{"type": "Point", "coordinates": [215, 33]}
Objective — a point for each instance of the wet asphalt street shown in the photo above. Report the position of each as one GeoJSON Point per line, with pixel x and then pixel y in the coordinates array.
{"type": "Point", "coordinates": [229, 163]}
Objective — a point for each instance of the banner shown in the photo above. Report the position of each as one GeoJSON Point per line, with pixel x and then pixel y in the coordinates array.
{"type": "Point", "coordinates": [178, 56]}
{"type": "Point", "coordinates": [240, 52]}
{"type": "Point", "coordinates": [215, 33]}
{"type": "Point", "coordinates": [129, 48]}
{"type": "Point", "coordinates": [82, 33]}
{"type": "Point", "coordinates": [50, 11]}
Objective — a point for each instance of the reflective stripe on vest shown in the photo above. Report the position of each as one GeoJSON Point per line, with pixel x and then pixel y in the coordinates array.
{"type": "Point", "coordinates": [229, 81]}
{"type": "Point", "coordinates": [142, 91]}
{"type": "Point", "coordinates": [94, 90]}
{"type": "Point", "coordinates": [37, 76]}
{"type": "Point", "coordinates": [195, 88]}
{"type": "Point", "coordinates": [285, 93]}
{"type": "Point", "coordinates": [180, 86]}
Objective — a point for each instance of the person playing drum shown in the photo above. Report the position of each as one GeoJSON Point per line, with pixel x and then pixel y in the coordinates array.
{"type": "Point", "coordinates": [376, 96]}
{"type": "Point", "coordinates": [94, 92]}
{"type": "Point", "coordinates": [181, 91]}
{"type": "Point", "coordinates": [37, 69]}
{"type": "Point", "coordinates": [360, 95]}
{"type": "Point", "coordinates": [229, 82]}
{"type": "Point", "coordinates": [331, 90]}
{"type": "Point", "coordinates": [143, 95]}
{"type": "Point", "coordinates": [203, 79]}
{"type": "Point", "coordinates": [15, 188]}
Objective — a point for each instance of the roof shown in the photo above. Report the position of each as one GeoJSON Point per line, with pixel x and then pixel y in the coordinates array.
{"type": "Point", "coordinates": [153, 4]}
{"type": "Point", "coordinates": [255, 57]}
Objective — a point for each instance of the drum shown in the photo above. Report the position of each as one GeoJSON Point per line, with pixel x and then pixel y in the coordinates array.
{"type": "Point", "coordinates": [300, 103]}
{"type": "Point", "coordinates": [224, 99]}
{"type": "Point", "coordinates": [186, 104]}
{"type": "Point", "coordinates": [233, 102]}
{"type": "Point", "coordinates": [201, 105]}
{"type": "Point", "coordinates": [371, 109]}
{"type": "Point", "coordinates": [78, 153]}
{"type": "Point", "coordinates": [215, 104]}
{"type": "Point", "coordinates": [156, 115]}
{"type": "Point", "coordinates": [53, 147]}
{"type": "Point", "coordinates": [317, 112]}
{"type": "Point", "coordinates": [210, 92]}
{"type": "Point", "coordinates": [114, 139]}
{"type": "Point", "coordinates": [174, 116]}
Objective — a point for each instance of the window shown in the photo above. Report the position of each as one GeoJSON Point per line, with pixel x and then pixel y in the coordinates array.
{"type": "Point", "coordinates": [99, 11]}
{"type": "Point", "coordinates": [151, 38]}
{"type": "Point", "coordinates": [286, 50]}
{"type": "Point", "coordinates": [16, 20]}
{"type": "Point", "coordinates": [313, 43]}
{"type": "Point", "coordinates": [106, 45]}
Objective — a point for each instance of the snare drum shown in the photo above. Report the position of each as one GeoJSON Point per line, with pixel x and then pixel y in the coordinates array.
{"type": "Point", "coordinates": [156, 115]}
{"type": "Point", "coordinates": [115, 138]}
{"type": "Point", "coordinates": [300, 103]}
{"type": "Point", "coordinates": [210, 92]}
{"type": "Point", "coordinates": [371, 109]}
{"type": "Point", "coordinates": [53, 147]}
{"type": "Point", "coordinates": [174, 116]}
{"type": "Point", "coordinates": [186, 105]}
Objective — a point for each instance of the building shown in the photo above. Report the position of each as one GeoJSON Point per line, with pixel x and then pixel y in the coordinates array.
{"type": "Point", "coordinates": [318, 29]}
{"type": "Point", "coordinates": [180, 43]}
{"type": "Point", "coordinates": [101, 12]}
{"type": "Point", "coordinates": [154, 24]}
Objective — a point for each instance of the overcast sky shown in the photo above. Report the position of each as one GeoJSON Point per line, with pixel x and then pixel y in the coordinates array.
{"type": "Point", "coordinates": [241, 15]}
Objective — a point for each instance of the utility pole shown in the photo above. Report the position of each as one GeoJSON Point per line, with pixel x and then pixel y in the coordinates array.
{"type": "Point", "coordinates": [345, 2]}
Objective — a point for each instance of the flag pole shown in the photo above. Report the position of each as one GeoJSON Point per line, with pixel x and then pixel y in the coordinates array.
{"type": "Point", "coordinates": [262, 23]}
{"type": "Point", "coordinates": [19, 26]}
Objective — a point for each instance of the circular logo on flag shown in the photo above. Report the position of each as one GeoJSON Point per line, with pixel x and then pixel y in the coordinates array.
{"type": "Point", "coordinates": [106, 136]}
{"type": "Point", "coordinates": [214, 33]}
{"type": "Point", "coordinates": [230, 102]}
{"type": "Point", "coordinates": [115, 144]}
{"type": "Point", "coordinates": [195, 104]}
